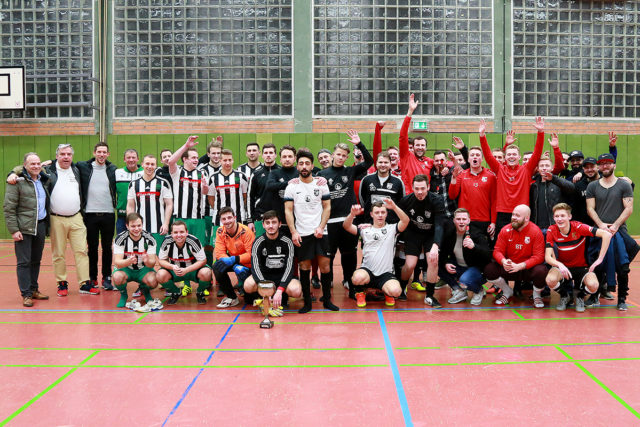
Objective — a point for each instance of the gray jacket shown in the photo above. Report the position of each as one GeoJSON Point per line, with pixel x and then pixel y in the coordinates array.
{"type": "Point", "coordinates": [21, 204]}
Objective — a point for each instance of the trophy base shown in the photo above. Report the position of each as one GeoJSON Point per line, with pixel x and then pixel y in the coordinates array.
{"type": "Point", "coordinates": [266, 324]}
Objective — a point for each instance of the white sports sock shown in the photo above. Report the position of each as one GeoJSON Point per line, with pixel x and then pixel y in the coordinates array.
{"type": "Point", "coordinates": [503, 285]}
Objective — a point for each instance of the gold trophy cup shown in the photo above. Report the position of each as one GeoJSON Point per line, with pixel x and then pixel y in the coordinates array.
{"type": "Point", "coordinates": [266, 290]}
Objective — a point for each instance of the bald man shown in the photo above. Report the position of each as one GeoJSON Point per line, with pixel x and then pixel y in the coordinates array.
{"type": "Point", "coordinates": [518, 255]}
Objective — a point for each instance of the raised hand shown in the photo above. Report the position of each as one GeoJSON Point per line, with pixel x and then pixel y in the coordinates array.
{"type": "Point", "coordinates": [381, 123]}
{"type": "Point", "coordinates": [191, 141]}
{"type": "Point", "coordinates": [511, 138]}
{"type": "Point", "coordinates": [482, 127]}
{"type": "Point", "coordinates": [539, 124]}
{"type": "Point", "coordinates": [554, 142]}
{"type": "Point", "coordinates": [390, 204]}
{"type": "Point", "coordinates": [458, 143]}
{"type": "Point", "coordinates": [354, 138]}
{"type": "Point", "coordinates": [413, 103]}
{"type": "Point", "coordinates": [356, 210]}
{"type": "Point", "coordinates": [613, 138]}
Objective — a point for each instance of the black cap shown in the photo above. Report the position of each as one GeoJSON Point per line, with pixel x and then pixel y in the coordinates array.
{"type": "Point", "coordinates": [589, 161]}
{"type": "Point", "coordinates": [576, 153]}
{"type": "Point", "coordinates": [606, 158]}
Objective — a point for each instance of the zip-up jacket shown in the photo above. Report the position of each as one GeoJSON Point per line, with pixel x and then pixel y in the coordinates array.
{"type": "Point", "coordinates": [21, 204]}
{"type": "Point", "coordinates": [86, 171]}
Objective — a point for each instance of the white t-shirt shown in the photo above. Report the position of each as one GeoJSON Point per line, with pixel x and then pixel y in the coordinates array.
{"type": "Point", "coordinates": [307, 205]}
{"type": "Point", "coordinates": [65, 198]}
{"type": "Point", "coordinates": [378, 248]}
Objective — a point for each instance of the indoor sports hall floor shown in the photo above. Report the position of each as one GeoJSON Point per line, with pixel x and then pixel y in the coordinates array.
{"type": "Point", "coordinates": [80, 361]}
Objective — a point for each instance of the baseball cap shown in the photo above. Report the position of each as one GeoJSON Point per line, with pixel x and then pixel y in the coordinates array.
{"type": "Point", "coordinates": [606, 158]}
{"type": "Point", "coordinates": [576, 153]}
{"type": "Point", "coordinates": [589, 160]}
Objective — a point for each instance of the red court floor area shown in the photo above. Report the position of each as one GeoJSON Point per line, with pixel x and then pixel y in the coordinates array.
{"type": "Point", "coordinates": [81, 361]}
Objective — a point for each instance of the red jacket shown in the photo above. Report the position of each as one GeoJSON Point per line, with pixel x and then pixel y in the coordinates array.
{"type": "Point", "coordinates": [410, 165]}
{"type": "Point", "coordinates": [513, 182]}
{"type": "Point", "coordinates": [524, 245]}
{"type": "Point", "coordinates": [477, 194]}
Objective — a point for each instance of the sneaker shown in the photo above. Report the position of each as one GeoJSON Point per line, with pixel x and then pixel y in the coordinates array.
{"type": "Point", "coordinates": [432, 301]}
{"type": "Point", "coordinates": [173, 299]}
{"type": "Point", "coordinates": [538, 302]}
{"type": "Point", "coordinates": [137, 293]}
{"type": "Point", "coordinates": [580, 305]}
{"type": "Point", "coordinates": [502, 300]}
{"type": "Point", "coordinates": [27, 302]}
{"type": "Point", "coordinates": [476, 299]}
{"type": "Point", "coordinates": [402, 297]}
{"type": "Point", "coordinates": [143, 309]}
{"type": "Point", "coordinates": [200, 298]}
{"type": "Point", "coordinates": [458, 296]}
{"type": "Point", "coordinates": [63, 289]}
{"type": "Point", "coordinates": [155, 304]}
{"type": "Point", "coordinates": [186, 289]}
{"type": "Point", "coordinates": [607, 295]}
{"type": "Point", "coordinates": [315, 282]}
{"type": "Point", "coordinates": [345, 283]}
{"type": "Point", "coordinates": [107, 285]}
{"type": "Point", "coordinates": [439, 284]}
{"type": "Point", "coordinates": [257, 302]}
{"type": "Point", "coordinates": [418, 287]}
{"type": "Point", "coordinates": [89, 289]}
{"type": "Point", "coordinates": [389, 301]}
{"type": "Point", "coordinates": [622, 306]}
{"type": "Point", "coordinates": [206, 292]}
{"type": "Point", "coordinates": [228, 302]}
{"type": "Point", "coordinates": [592, 301]}
{"type": "Point", "coordinates": [39, 296]}
{"type": "Point", "coordinates": [361, 300]}
{"type": "Point", "coordinates": [562, 304]}
{"type": "Point", "coordinates": [134, 304]}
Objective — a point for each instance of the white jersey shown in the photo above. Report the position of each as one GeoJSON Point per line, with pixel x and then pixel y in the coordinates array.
{"type": "Point", "coordinates": [307, 205]}
{"type": "Point", "coordinates": [125, 245]}
{"type": "Point", "coordinates": [378, 247]}
{"type": "Point", "coordinates": [149, 197]}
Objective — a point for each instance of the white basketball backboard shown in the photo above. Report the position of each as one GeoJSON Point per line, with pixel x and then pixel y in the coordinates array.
{"type": "Point", "coordinates": [12, 88]}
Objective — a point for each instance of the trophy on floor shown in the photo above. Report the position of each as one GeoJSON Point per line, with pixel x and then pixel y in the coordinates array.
{"type": "Point", "coordinates": [266, 290]}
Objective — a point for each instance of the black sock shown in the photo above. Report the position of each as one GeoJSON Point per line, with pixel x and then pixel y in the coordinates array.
{"type": "Point", "coordinates": [403, 286]}
{"type": "Point", "coordinates": [305, 281]}
{"type": "Point", "coordinates": [359, 289]}
{"type": "Point", "coordinates": [431, 288]}
{"type": "Point", "coordinates": [325, 279]}
{"type": "Point", "coordinates": [285, 300]}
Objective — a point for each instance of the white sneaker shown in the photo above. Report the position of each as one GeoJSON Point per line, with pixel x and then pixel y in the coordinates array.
{"type": "Point", "coordinates": [134, 304]}
{"type": "Point", "coordinates": [458, 296]}
{"type": "Point", "coordinates": [155, 304]}
{"type": "Point", "coordinates": [228, 302]}
{"type": "Point", "coordinates": [143, 309]}
{"type": "Point", "coordinates": [476, 299]}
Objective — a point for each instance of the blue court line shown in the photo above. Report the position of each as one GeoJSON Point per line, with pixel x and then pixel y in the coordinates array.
{"type": "Point", "coordinates": [188, 389]}
{"type": "Point", "coordinates": [396, 373]}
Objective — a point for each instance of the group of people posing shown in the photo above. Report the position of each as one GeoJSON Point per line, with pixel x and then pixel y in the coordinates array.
{"type": "Point", "coordinates": [421, 220]}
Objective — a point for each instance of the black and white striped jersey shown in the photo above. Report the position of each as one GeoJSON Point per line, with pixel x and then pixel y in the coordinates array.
{"type": "Point", "coordinates": [188, 197]}
{"type": "Point", "coordinates": [229, 190]}
{"type": "Point", "coordinates": [210, 170]}
{"type": "Point", "coordinates": [125, 245]}
{"type": "Point", "coordinates": [185, 256]}
{"type": "Point", "coordinates": [248, 170]}
{"type": "Point", "coordinates": [149, 197]}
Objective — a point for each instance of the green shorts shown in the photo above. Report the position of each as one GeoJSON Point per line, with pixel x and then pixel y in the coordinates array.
{"type": "Point", "coordinates": [135, 275]}
{"type": "Point", "coordinates": [191, 276]}
{"type": "Point", "coordinates": [196, 227]}
{"type": "Point", "coordinates": [159, 238]}
{"type": "Point", "coordinates": [259, 228]}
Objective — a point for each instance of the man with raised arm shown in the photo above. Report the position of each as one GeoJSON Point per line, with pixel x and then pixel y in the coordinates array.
{"type": "Point", "coordinates": [378, 246]}
{"type": "Point", "coordinates": [513, 179]}
{"type": "Point", "coordinates": [412, 163]}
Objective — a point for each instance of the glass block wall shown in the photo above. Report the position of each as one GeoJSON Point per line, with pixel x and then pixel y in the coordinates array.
{"type": "Point", "coordinates": [52, 40]}
{"type": "Point", "coordinates": [176, 58]}
{"type": "Point", "coordinates": [370, 54]}
{"type": "Point", "coordinates": [576, 58]}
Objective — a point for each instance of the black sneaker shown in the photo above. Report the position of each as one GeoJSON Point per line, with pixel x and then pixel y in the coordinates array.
{"type": "Point", "coordinates": [88, 288]}
{"type": "Point", "coordinates": [622, 306]}
{"type": "Point", "coordinates": [402, 297]}
{"type": "Point", "coordinates": [174, 298]}
{"type": "Point", "coordinates": [63, 289]}
{"type": "Point", "coordinates": [200, 298]}
{"type": "Point", "coordinates": [607, 295]}
{"type": "Point", "coordinates": [592, 301]}
{"type": "Point", "coordinates": [315, 282]}
{"type": "Point", "coordinates": [107, 285]}
{"type": "Point", "coordinates": [432, 301]}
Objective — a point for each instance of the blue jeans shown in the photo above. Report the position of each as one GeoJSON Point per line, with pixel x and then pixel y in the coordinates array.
{"type": "Point", "coordinates": [121, 224]}
{"type": "Point", "coordinates": [470, 277]}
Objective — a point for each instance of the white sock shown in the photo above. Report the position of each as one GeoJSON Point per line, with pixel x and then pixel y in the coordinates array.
{"type": "Point", "coordinates": [537, 293]}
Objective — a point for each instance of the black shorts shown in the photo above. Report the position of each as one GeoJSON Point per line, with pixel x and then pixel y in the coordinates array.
{"type": "Point", "coordinates": [416, 243]}
{"type": "Point", "coordinates": [378, 282]}
{"type": "Point", "coordinates": [312, 247]}
{"type": "Point", "coordinates": [339, 238]}
{"type": "Point", "coordinates": [577, 275]}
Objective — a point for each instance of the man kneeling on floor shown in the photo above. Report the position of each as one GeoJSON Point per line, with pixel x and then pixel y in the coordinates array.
{"type": "Point", "coordinates": [568, 238]}
{"type": "Point", "coordinates": [233, 255]}
{"type": "Point", "coordinates": [378, 244]}
{"type": "Point", "coordinates": [181, 259]}
{"type": "Point", "coordinates": [272, 257]}
{"type": "Point", "coordinates": [135, 256]}
{"type": "Point", "coordinates": [518, 255]}
{"type": "Point", "coordinates": [462, 259]}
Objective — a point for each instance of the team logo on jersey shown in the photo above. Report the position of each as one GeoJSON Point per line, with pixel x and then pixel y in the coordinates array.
{"type": "Point", "coordinates": [484, 179]}
{"type": "Point", "coordinates": [419, 218]}
{"type": "Point", "coordinates": [527, 239]}
{"type": "Point", "coordinates": [384, 231]}
{"type": "Point", "coordinates": [307, 199]}
{"type": "Point", "coordinates": [264, 251]}
{"type": "Point", "coordinates": [475, 184]}
{"type": "Point", "coordinates": [316, 192]}
{"type": "Point", "coordinates": [330, 181]}
{"type": "Point", "coordinates": [345, 179]}
{"type": "Point", "coordinates": [389, 185]}
{"type": "Point", "coordinates": [376, 237]}
{"type": "Point", "coordinates": [278, 250]}
{"type": "Point", "coordinates": [574, 236]}
{"type": "Point", "coordinates": [427, 214]}
{"type": "Point", "coordinates": [372, 187]}
{"type": "Point", "coordinates": [338, 186]}
{"type": "Point", "coordinates": [412, 212]}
